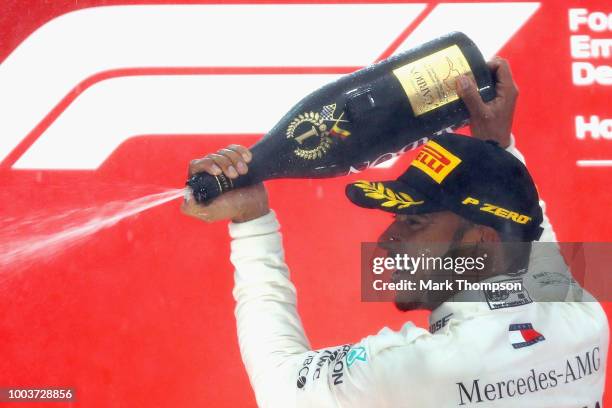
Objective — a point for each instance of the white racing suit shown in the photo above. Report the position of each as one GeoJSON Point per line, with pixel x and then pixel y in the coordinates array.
{"type": "Point", "coordinates": [510, 353]}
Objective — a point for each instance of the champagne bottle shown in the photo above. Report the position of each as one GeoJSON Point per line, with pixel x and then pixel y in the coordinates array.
{"type": "Point", "coordinates": [364, 117]}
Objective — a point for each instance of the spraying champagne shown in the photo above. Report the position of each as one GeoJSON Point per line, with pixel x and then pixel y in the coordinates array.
{"type": "Point", "coordinates": [365, 117]}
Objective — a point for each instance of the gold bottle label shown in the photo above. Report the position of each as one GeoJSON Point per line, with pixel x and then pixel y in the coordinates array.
{"type": "Point", "coordinates": [430, 81]}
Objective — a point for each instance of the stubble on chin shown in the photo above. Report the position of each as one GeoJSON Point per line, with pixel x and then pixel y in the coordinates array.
{"type": "Point", "coordinates": [404, 306]}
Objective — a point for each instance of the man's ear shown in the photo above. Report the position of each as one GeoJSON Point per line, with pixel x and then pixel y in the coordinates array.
{"type": "Point", "coordinates": [479, 233]}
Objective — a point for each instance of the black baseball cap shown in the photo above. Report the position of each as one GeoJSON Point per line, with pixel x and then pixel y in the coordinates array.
{"type": "Point", "coordinates": [477, 180]}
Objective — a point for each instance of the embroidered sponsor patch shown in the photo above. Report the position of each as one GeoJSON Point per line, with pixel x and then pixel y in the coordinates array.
{"type": "Point", "coordinates": [435, 161]}
{"type": "Point", "coordinates": [497, 211]}
{"type": "Point", "coordinates": [439, 324]}
{"type": "Point", "coordinates": [523, 335]}
{"type": "Point", "coordinates": [388, 197]}
{"type": "Point", "coordinates": [356, 354]}
{"type": "Point", "coordinates": [499, 299]}
{"type": "Point", "coordinates": [329, 362]}
{"type": "Point", "coordinates": [551, 375]}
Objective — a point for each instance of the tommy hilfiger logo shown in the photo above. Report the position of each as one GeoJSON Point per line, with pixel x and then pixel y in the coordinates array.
{"type": "Point", "coordinates": [523, 335]}
{"type": "Point", "coordinates": [436, 161]}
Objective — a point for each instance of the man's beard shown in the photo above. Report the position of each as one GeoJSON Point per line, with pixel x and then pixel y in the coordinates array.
{"type": "Point", "coordinates": [432, 299]}
{"type": "Point", "coordinates": [408, 306]}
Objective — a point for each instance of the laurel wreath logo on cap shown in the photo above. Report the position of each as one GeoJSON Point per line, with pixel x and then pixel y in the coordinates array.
{"type": "Point", "coordinates": [378, 191]}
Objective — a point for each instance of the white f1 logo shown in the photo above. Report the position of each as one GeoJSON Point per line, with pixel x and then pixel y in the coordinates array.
{"type": "Point", "coordinates": [89, 80]}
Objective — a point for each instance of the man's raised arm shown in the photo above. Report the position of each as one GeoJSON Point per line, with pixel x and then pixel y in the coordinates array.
{"type": "Point", "coordinates": [283, 370]}
{"type": "Point", "coordinates": [493, 120]}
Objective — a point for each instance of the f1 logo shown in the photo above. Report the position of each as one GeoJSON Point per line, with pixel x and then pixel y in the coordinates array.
{"type": "Point", "coordinates": [173, 69]}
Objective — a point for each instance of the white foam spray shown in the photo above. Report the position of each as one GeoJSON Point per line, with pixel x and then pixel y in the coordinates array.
{"type": "Point", "coordinates": [26, 240]}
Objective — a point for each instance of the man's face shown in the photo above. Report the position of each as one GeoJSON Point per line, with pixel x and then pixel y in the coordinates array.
{"type": "Point", "coordinates": [432, 227]}
{"type": "Point", "coordinates": [414, 235]}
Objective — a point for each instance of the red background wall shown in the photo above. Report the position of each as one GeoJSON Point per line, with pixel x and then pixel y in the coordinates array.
{"type": "Point", "coordinates": [141, 314]}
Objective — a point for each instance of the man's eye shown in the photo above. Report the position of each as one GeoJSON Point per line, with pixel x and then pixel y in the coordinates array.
{"type": "Point", "coordinates": [408, 221]}
{"type": "Point", "coordinates": [411, 221]}
{"type": "Point", "coordinates": [416, 222]}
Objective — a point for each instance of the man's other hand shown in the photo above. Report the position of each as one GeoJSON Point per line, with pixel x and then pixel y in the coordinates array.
{"type": "Point", "coordinates": [491, 120]}
{"type": "Point", "coordinates": [240, 205]}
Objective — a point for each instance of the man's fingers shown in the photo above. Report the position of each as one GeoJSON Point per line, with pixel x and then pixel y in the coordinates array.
{"type": "Point", "coordinates": [213, 164]}
{"type": "Point", "coordinates": [191, 208]}
{"type": "Point", "coordinates": [506, 87]}
{"type": "Point", "coordinates": [467, 90]}
{"type": "Point", "coordinates": [227, 166]}
{"type": "Point", "coordinates": [236, 159]}
{"type": "Point", "coordinates": [494, 64]}
{"type": "Point", "coordinates": [246, 153]}
{"type": "Point", "coordinates": [204, 165]}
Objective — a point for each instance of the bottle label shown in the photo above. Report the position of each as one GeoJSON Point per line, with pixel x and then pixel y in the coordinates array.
{"type": "Point", "coordinates": [224, 183]}
{"type": "Point", "coordinates": [313, 132]}
{"type": "Point", "coordinates": [430, 81]}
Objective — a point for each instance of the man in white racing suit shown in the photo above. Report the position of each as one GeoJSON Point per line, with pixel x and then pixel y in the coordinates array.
{"type": "Point", "coordinates": [510, 351]}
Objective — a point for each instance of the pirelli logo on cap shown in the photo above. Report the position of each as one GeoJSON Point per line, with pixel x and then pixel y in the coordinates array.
{"type": "Point", "coordinates": [436, 161]}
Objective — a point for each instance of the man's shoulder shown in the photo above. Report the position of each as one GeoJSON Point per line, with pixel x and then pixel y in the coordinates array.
{"type": "Point", "coordinates": [560, 327]}
{"type": "Point", "coordinates": [471, 353]}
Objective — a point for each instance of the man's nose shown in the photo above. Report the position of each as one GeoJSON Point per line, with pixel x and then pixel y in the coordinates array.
{"type": "Point", "coordinates": [390, 237]}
